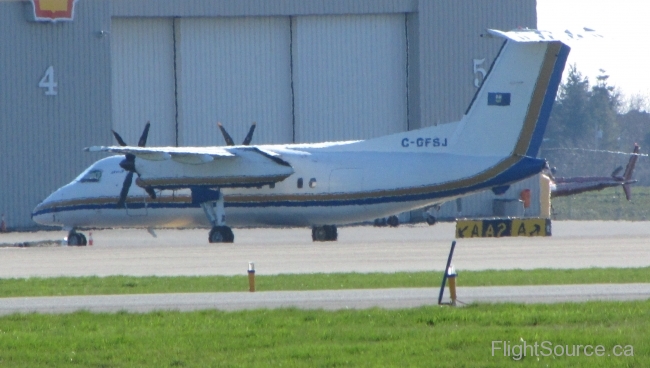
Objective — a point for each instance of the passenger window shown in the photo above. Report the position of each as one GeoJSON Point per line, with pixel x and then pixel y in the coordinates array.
{"type": "Point", "coordinates": [92, 177]}
{"type": "Point", "coordinates": [312, 183]}
{"type": "Point", "coordinates": [299, 183]}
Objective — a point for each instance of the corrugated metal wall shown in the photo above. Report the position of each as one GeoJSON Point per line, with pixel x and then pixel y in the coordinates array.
{"type": "Point", "coordinates": [42, 136]}
{"type": "Point", "coordinates": [143, 86]}
{"type": "Point", "coordinates": [236, 71]}
{"type": "Point", "coordinates": [449, 42]}
{"type": "Point", "coordinates": [349, 76]}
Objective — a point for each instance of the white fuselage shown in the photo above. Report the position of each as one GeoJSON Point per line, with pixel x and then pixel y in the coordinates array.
{"type": "Point", "coordinates": [338, 187]}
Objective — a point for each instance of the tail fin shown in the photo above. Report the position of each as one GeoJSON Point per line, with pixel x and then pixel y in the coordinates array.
{"type": "Point", "coordinates": [508, 114]}
{"type": "Point", "coordinates": [629, 169]}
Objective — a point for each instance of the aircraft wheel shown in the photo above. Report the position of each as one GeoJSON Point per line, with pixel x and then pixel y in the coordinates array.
{"type": "Point", "coordinates": [318, 233]}
{"type": "Point", "coordinates": [76, 239]}
{"type": "Point", "coordinates": [332, 233]}
{"type": "Point", "coordinates": [324, 233]}
{"type": "Point", "coordinates": [431, 220]}
{"type": "Point", "coordinates": [221, 234]}
{"type": "Point", "coordinates": [393, 221]}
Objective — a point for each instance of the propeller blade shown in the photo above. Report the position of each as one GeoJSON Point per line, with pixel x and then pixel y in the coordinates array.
{"type": "Point", "coordinates": [617, 171]}
{"type": "Point", "coordinates": [125, 189]}
{"type": "Point", "coordinates": [249, 136]}
{"type": "Point", "coordinates": [119, 139]}
{"type": "Point", "coordinates": [226, 136]}
{"type": "Point", "coordinates": [143, 138]}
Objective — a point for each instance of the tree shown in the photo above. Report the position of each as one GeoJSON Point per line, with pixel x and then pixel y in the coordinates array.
{"type": "Point", "coordinates": [603, 107]}
{"type": "Point", "coordinates": [569, 119]}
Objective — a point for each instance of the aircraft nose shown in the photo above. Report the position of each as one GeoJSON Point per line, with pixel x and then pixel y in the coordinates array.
{"type": "Point", "coordinates": [42, 213]}
{"type": "Point", "coordinates": [37, 213]}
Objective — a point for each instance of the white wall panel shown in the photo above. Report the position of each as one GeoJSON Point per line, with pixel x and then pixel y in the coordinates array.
{"type": "Point", "coordinates": [236, 71]}
{"type": "Point", "coordinates": [480, 204]}
{"type": "Point", "coordinates": [349, 75]}
{"type": "Point", "coordinates": [142, 60]}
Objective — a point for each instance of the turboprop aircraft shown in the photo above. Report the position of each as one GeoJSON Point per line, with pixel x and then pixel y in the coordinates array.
{"type": "Point", "coordinates": [578, 184]}
{"type": "Point", "coordinates": [323, 185]}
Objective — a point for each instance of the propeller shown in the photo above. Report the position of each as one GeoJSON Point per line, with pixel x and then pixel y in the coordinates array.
{"type": "Point", "coordinates": [249, 136]}
{"type": "Point", "coordinates": [128, 164]}
{"type": "Point", "coordinates": [228, 138]}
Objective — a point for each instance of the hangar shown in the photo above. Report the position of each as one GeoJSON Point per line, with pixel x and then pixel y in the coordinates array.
{"type": "Point", "coordinates": [304, 70]}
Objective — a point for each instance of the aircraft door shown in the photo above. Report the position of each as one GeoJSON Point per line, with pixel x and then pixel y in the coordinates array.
{"type": "Point", "coordinates": [137, 206]}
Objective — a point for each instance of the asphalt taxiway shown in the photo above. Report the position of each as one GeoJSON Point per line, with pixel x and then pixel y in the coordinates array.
{"type": "Point", "coordinates": [574, 244]}
{"type": "Point", "coordinates": [322, 299]}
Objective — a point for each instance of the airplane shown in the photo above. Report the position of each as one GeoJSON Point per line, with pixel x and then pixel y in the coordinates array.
{"type": "Point", "coordinates": [324, 185]}
{"type": "Point", "coordinates": [561, 187]}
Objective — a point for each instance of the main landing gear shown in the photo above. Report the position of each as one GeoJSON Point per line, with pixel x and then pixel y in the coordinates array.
{"type": "Point", "coordinates": [76, 239]}
{"type": "Point", "coordinates": [392, 221]}
{"type": "Point", "coordinates": [220, 233]}
{"type": "Point", "coordinates": [324, 233]}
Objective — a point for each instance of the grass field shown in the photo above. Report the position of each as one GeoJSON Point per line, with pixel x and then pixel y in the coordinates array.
{"type": "Point", "coordinates": [146, 285]}
{"type": "Point", "coordinates": [608, 204]}
{"type": "Point", "coordinates": [427, 336]}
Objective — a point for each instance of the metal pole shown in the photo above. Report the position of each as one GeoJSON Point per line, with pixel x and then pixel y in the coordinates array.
{"type": "Point", "coordinates": [444, 275]}
{"type": "Point", "coordinates": [251, 277]}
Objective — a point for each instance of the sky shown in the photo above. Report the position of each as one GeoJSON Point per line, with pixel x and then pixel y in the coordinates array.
{"type": "Point", "coordinates": [624, 50]}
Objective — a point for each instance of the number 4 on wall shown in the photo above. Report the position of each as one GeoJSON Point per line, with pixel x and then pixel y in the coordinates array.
{"type": "Point", "coordinates": [48, 82]}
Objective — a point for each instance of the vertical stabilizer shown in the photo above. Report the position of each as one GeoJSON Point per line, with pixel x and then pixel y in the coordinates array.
{"type": "Point", "coordinates": [629, 169]}
{"type": "Point", "coordinates": [508, 114]}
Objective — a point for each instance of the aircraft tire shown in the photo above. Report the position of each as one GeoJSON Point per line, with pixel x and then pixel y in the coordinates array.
{"type": "Point", "coordinates": [332, 233]}
{"type": "Point", "coordinates": [324, 233]}
{"type": "Point", "coordinates": [393, 221]}
{"type": "Point", "coordinates": [221, 234]}
{"type": "Point", "coordinates": [76, 239]}
{"type": "Point", "coordinates": [318, 233]}
{"type": "Point", "coordinates": [431, 220]}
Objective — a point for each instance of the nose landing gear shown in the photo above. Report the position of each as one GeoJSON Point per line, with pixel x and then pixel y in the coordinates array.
{"type": "Point", "coordinates": [76, 239]}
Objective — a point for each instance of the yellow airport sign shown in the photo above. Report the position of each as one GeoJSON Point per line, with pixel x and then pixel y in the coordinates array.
{"type": "Point", "coordinates": [501, 227]}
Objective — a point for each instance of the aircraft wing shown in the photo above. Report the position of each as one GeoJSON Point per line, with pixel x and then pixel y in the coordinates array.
{"type": "Point", "coordinates": [199, 154]}
{"type": "Point", "coordinates": [190, 167]}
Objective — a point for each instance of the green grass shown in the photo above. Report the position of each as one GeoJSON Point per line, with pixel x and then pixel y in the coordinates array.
{"type": "Point", "coordinates": [187, 284]}
{"type": "Point", "coordinates": [427, 337]}
{"type": "Point", "coordinates": [608, 204]}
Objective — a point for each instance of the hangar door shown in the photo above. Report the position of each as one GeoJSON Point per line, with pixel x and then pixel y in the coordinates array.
{"type": "Point", "coordinates": [142, 73]}
{"type": "Point", "coordinates": [187, 74]}
{"type": "Point", "coordinates": [349, 76]}
{"type": "Point", "coordinates": [302, 79]}
{"type": "Point", "coordinates": [236, 71]}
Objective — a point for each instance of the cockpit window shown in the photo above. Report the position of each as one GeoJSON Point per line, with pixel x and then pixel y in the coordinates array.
{"type": "Point", "coordinates": [92, 176]}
